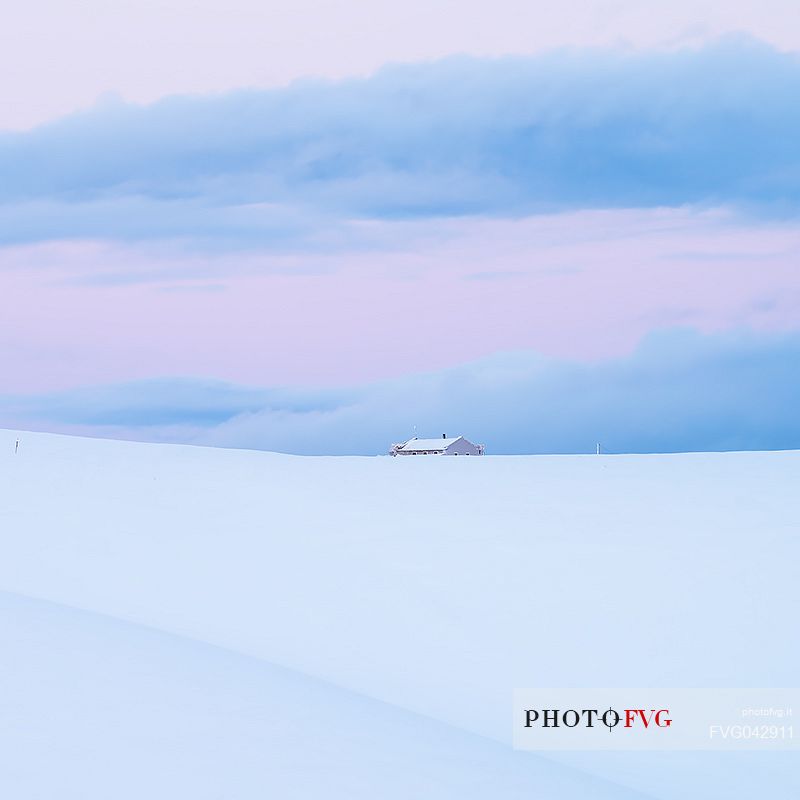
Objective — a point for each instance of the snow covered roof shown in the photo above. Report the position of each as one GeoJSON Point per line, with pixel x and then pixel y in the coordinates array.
{"type": "Point", "coordinates": [429, 444]}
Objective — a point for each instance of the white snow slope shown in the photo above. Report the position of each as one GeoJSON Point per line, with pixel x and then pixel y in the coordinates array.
{"type": "Point", "coordinates": [192, 622]}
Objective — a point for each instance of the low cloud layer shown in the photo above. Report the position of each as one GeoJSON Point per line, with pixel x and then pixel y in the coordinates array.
{"type": "Point", "coordinates": [679, 391]}
{"type": "Point", "coordinates": [716, 125]}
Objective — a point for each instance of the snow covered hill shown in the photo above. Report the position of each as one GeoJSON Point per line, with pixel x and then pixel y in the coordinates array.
{"type": "Point", "coordinates": [97, 708]}
{"type": "Point", "coordinates": [204, 608]}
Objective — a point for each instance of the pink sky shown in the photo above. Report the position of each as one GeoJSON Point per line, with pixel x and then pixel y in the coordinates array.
{"type": "Point", "coordinates": [57, 57]}
{"type": "Point", "coordinates": [585, 284]}
{"type": "Point", "coordinates": [406, 296]}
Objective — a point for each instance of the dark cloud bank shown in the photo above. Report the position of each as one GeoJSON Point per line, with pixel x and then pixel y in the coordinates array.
{"type": "Point", "coordinates": [571, 129]}
{"type": "Point", "coordinates": [679, 391]}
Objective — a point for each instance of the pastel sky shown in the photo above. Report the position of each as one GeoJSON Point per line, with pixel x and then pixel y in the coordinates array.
{"type": "Point", "coordinates": [60, 55]}
{"type": "Point", "coordinates": [293, 227]}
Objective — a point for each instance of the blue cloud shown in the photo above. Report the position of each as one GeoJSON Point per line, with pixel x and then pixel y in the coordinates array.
{"type": "Point", "coordinates": [147, 406]}
{"type": "Point", "coordinates": [679, 391]}
{"type": "Point", "coordinates": [571, 129]}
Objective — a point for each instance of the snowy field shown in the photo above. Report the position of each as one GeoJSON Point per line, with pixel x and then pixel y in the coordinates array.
{"type": "Point", "coordinates": [203, 623]}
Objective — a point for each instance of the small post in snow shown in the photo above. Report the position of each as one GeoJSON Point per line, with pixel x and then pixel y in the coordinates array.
{"type": "Point", "coordinates": [16, 446]}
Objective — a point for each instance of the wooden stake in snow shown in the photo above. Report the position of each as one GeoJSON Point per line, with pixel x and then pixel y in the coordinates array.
{"type": "Point", "coordinates": [16, 446]}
